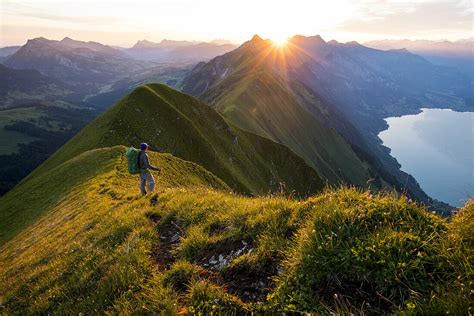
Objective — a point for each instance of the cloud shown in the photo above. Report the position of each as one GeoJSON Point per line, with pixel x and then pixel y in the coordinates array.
{"type": "Point", "coordinates": [22, 10]}
{"type": "Point", "coordinates": [387, 17]}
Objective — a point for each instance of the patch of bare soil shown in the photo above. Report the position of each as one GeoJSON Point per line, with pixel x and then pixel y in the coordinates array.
{"type": "Point", "coordinates": [170, 235]}
{"type": "Point", "coordinates": [250, 284]}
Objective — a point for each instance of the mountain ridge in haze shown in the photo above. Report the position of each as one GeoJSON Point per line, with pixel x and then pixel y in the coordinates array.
{"type": "Point", "coordinates": [170, 51]}
{"type": "Point", "coordinates": [86, 65]}
{"type": "Point", "coordinates": [458, 54]}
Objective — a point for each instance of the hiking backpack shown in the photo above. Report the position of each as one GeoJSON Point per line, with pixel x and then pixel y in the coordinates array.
{"type": "Point", "coordinates": [133, 155]}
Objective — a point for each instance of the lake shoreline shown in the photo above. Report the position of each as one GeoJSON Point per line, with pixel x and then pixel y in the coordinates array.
{"type": "Point", "coordinates": [432, 143]}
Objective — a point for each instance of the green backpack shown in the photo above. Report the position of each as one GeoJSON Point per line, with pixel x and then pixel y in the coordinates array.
{"type": "Point", "coordinates": [133, 155]}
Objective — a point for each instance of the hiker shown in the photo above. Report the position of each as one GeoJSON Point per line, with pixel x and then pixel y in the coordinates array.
{"type": "Point", "coordinates": [145, 167]}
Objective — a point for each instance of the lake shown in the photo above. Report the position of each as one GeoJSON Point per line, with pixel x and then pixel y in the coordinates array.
{"type": "Point", "coordinates": [435, 146]}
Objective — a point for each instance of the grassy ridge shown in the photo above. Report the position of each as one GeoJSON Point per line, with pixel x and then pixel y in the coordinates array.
{"type": "Point", "coordinates": [27, 202]}
{"type": "Point", "coordinates": [102, 248]}
{"type": "Point", "coordinates": [183, 126]}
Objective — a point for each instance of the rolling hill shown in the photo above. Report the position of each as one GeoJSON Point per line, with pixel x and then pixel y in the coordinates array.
{"type": "Point", "coordinates": [187, 128]}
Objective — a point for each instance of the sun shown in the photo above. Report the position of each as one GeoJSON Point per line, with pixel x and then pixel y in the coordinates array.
{"type": "Point", "coordinates": [279, 40]}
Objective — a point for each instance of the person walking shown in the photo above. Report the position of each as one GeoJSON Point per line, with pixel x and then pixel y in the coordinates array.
{"type": "Point", "coordinates": [145, 175]}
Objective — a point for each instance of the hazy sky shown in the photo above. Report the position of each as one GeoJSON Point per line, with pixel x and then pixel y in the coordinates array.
{"type": "Point", "coordinates": [120, 22]}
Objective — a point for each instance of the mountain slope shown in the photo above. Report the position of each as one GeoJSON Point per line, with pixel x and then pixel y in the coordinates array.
{"type": "Point", "coordinates": [179, 124]}
{"type": "Point", "coordinates": [76, 236]}
{"type": "Point", "coordinates": [5, 52]}
{"type": "Point", "coordinates": [25, 204]}
{"type": "Point", "coordinates": [28, 86]}
{"type": "Point", "coordinates": [251, 88]}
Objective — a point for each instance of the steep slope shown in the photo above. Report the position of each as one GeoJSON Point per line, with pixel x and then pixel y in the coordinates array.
{"type": "Point", "coordinates": [179, 124]}
{"type": "Point", "coordinates": [8, 50]}
{"type": "Point", "coordinates": [5, 52]}
{"type": "Point", "coordinates": [369, 85]}
{"type": "Point", "coordinates": [250, 86]}
{"type": "Point", "coordinates": [25, 204]}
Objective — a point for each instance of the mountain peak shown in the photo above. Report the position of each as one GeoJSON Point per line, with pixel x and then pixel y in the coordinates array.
{"type": "Point", "coordinates": [256, 42]}
{"type": "Point", "coordinates": [38, 40]}
{"type": "Point", "coordinates": [144, 43]}
{"type": "Point", "coordinates": [353, 43]}
{"type": "Point", "coordinates": [256, 38]}
{"type": "Point", "coordinates": [313, 39]}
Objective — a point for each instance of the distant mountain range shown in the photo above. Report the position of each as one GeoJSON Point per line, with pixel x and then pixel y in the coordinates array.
{"type": "Point", "coordinates": [85, 65]}
{"type": "Point", "coordinates": [26, 86]}
{"type": "Point", "coordinates": [459, 54]}
{"type": "Point", "coordinates": [168, 51]}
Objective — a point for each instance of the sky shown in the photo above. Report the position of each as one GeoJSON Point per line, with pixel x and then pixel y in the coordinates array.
{"type": "Point", "coordinates": [120, 22]}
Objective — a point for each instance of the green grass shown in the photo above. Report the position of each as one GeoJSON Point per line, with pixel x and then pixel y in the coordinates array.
{"type": "Point", "coordinates": [9, 140]}
{"type": "Point", "coordinates": [101, 248]}
{"type": "Point", "coordinates": [37, 115]}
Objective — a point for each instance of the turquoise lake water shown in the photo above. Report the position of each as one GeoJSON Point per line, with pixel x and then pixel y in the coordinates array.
{"type": "Point", "coordinates": [435, 146]}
